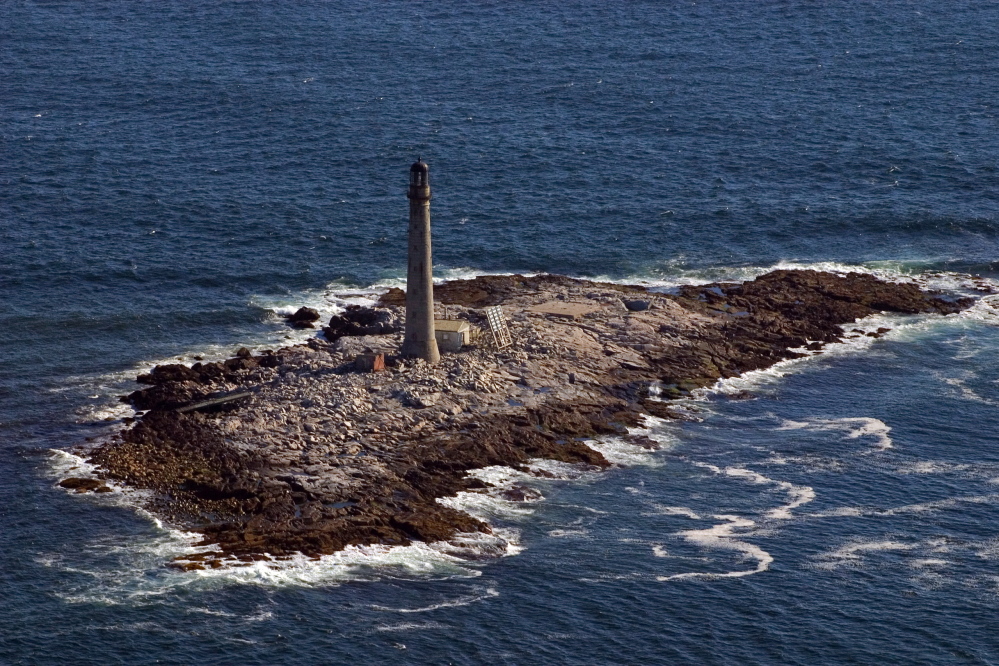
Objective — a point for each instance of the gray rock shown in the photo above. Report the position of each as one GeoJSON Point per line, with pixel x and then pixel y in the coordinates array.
{"type": "Point", "coordinates": [418, 400]}
{"type": "Point", "coordinates": [637, 305]}
{"type": "Point", "coordinates": [353, 345]}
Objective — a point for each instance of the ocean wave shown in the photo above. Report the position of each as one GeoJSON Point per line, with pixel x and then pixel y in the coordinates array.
{"type": "Point", "coordinates": [918, 507]}
{"type": "Point", "coordinates": [874, 430]}
{"type": "Point", "coordinates": [853, 553]}
{"type": "Point", "coordinates": [619, 451]}
{"type": "Point", "coordinates": [132, 572]}
{"type": "Point", "coordinates": [138, 575]}
{"type": "Point", "coordinates": [724, 536]}
{"type": "Point", "coordinates": [959, 387]}
{"type": "Point", "coordinates": [457, 602]}
{"type": "Point", "coordinates": [410, 626]}
{"type": "Point", "coordinates": [730, 534]}
{"type": "Point", "coordinates": [933, 467]}
{"type": "Point", "coordinates": [922, 274]}
{"type": "Point", "coordinates": [931, 563]}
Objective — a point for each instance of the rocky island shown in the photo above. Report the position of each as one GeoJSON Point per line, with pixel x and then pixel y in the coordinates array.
{"type": "Point", "coordinates": [307, 449]}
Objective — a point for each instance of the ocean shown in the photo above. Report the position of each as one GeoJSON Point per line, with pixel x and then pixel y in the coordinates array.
{"type": "Point", "coordinates": [174, 176]}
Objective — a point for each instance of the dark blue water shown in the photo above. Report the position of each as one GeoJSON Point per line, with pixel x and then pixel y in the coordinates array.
{"type": "Point", "coordinates": [172, 175]}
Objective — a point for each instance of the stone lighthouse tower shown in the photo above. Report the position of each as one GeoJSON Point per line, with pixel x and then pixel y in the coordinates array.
{"type": "Point", "coordinates": [420, 341]}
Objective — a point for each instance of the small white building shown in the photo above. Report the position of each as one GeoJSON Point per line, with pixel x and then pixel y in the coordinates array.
{"type": "Point", "coordinates": [452, 334]}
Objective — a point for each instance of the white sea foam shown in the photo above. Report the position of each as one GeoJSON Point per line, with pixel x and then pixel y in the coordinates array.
{"type": "Point", "coordinates": [723, 536]}
{"type": "Point", "coordinates": [486, 506]}
{"type": "Point", "coordinates": [926, 507]}
{"type": "Point", "coordinates": [660, 510]}
{"type": "Point", "coordinates": [932, 467]}
{"type": "Point", "coordinates": [141, 579]}
{"type": "Point", "coordinates": [621, 452]}
{"type": "Point", "coordinates": [807, 462]}
{"type": "Point", "coordinates": [493, 507]}
{"type": "Point", "coordinates": [920, 507]}
{"type": "Point", "coordinates": [63, 464]}
{"type": "Point", "coordinates": [130, 581]}
{"type": "Point", "coordinates": [457, 602]}
{"type": "Point", "coordinates": [799, 495]}
{"type": "Point", "coordinates": [410, 626]}
{"type": "Point", "coordinates": [853, 343]}
{"type": "Point", "coordinates": [985, 309]}
{"type": "Point", "coordinates": [934, 562]}
{"type": "Point", "coordinates": [839, 512]}
{"type": "Point", "coordinates": [854, 552]}
{"type": "Point", "coordinates": [988, 550]}
{"type": "Point", "coordinates": [357, 563]}
{"type": "Point", "coordinates": [673, 275]}
{"type": "Point", "coordinates": [442, 275]}
{"type": "Point", "coordinates": [659, 430]}
{"type": "Point", "coordinates": [853, 428]}
{"type": "Point", "coordinates": [963, 390]}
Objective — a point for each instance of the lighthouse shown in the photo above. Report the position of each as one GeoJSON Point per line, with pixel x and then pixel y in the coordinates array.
{"type": "Point", "coordinates": [420, 341]}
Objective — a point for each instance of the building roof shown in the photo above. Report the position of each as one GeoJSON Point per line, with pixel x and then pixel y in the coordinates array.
{"type": "Point", "coordinates": [454, 325]}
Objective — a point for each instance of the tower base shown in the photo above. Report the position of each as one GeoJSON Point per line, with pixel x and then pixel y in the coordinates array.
{"type": "Point", "coordinates": [427, 350]}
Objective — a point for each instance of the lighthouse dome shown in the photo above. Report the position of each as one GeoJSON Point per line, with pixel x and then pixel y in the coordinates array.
{"type": "Point", "coordinates": [419, 174]}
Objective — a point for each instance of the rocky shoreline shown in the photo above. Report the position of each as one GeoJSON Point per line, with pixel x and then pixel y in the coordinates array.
{"type": "Point", "coordinates": [296, 450]}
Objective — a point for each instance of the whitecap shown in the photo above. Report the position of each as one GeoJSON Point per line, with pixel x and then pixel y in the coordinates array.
{"type": "Point", "coordinates": [457, 602]}
{"type": "Point", "coordinates": [723, 536]}
{"type": "Point", "coordinates": [673, 274]}
{"type": "Point", "coordinates": [756, 380]}
{"type": "Point", "coordinates": [853, 427]}
{"type": "Point", "coordinates": [660, 510]}
{"type": "Point", "coordinates": [619, 451]}
{"type": "Point", "coordinates": [853, 553]}
{"type": "Point", "coordinates": [932, 467]}
{"type": "Point", "coordinates": [410, 626]}
{"type": "Point", "coordinates": [965, 391]}
{"type": "Point", "coordinates": [919, 507]}
{"type": "Point", "coordinates": [799, 495]}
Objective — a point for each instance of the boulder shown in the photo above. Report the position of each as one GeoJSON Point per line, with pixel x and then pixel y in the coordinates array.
{"type": "Point", "coordinates": [357, 320]}
{"type": "Point", "coordinates": [82, 485]}
{"type": "Point", "coordinates": [302, 318]}
{"type": "Point", "coordinates": [637, 305]}
{"type": "Point", "coordinates": [417, 399]}
{"type": "Point", "coordinates": [364, 344]}
{"type": "Point", "coordinates": [521, 493]}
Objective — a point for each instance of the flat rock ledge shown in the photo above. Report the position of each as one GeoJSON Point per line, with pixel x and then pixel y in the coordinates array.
{"type": "Point", "coordinates": [295, 451]}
